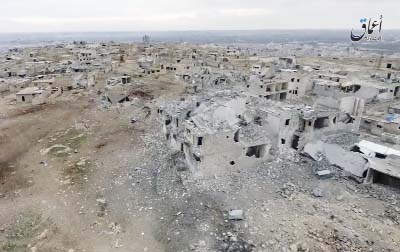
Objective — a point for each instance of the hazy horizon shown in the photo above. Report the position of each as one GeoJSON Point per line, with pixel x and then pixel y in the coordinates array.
{"type": "Point", "coordinates": [44, 16]}
{"type": "Point", "coordinates": [193, 30]}
{"type": "Point", "coordinates": [391, 38]}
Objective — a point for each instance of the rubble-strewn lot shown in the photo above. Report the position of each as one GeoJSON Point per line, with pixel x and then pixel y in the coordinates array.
{"type": "Point", "coordinates": [83, 173]}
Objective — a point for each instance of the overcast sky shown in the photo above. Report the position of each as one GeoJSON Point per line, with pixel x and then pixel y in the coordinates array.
{"type": "Point", "coordinates": [161, 15]}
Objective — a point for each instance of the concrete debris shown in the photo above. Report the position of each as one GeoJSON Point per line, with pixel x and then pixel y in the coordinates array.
{"type": "Point", "coordinates": [315, 150]}
{"type": "Point", "coordinates": [324, 174]}
{"type": "Point", "coordinates": [371, 150]}
{"type": "Point", "coordinates": [349, 161]}
{"type": "Point", "coordinates": [317, 192]}
{"type": "Point", "coordinates": [236, 214]}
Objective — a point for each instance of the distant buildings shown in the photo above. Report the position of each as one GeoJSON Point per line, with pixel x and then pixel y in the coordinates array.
{"type": "Point", "coordinates": [243, 104]}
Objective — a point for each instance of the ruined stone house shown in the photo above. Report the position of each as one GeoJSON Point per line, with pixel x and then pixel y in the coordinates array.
{"type": "Point", "coordinates": [229, 130]}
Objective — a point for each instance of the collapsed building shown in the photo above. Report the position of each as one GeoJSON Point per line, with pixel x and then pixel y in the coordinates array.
{"type": "Point", "coordinates": [230, 130]}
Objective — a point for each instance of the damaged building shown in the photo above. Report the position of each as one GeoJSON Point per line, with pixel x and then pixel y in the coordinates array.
{"type": "Point", "coordinates": [230, 130]}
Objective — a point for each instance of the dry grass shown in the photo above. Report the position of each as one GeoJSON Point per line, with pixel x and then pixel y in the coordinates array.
{"type": "Point", "coordinates": [24, 228]}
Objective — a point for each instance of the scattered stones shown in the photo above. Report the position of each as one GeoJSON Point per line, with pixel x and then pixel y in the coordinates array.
{"type": "Point", "coordinates": [82, 162]}
{"type": "Point", "coordinates": [232, 243]}
{"type": "Point", "coordinates": [115, 227]}
{"type": "Point", "coordinates": [43, 235]}
{"type": "Point", "coordinates": [317, 192]}
{"type": "Point", "coordinates": [287, 190]}
{"type": "Point", "coordinates": [393, 213]}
